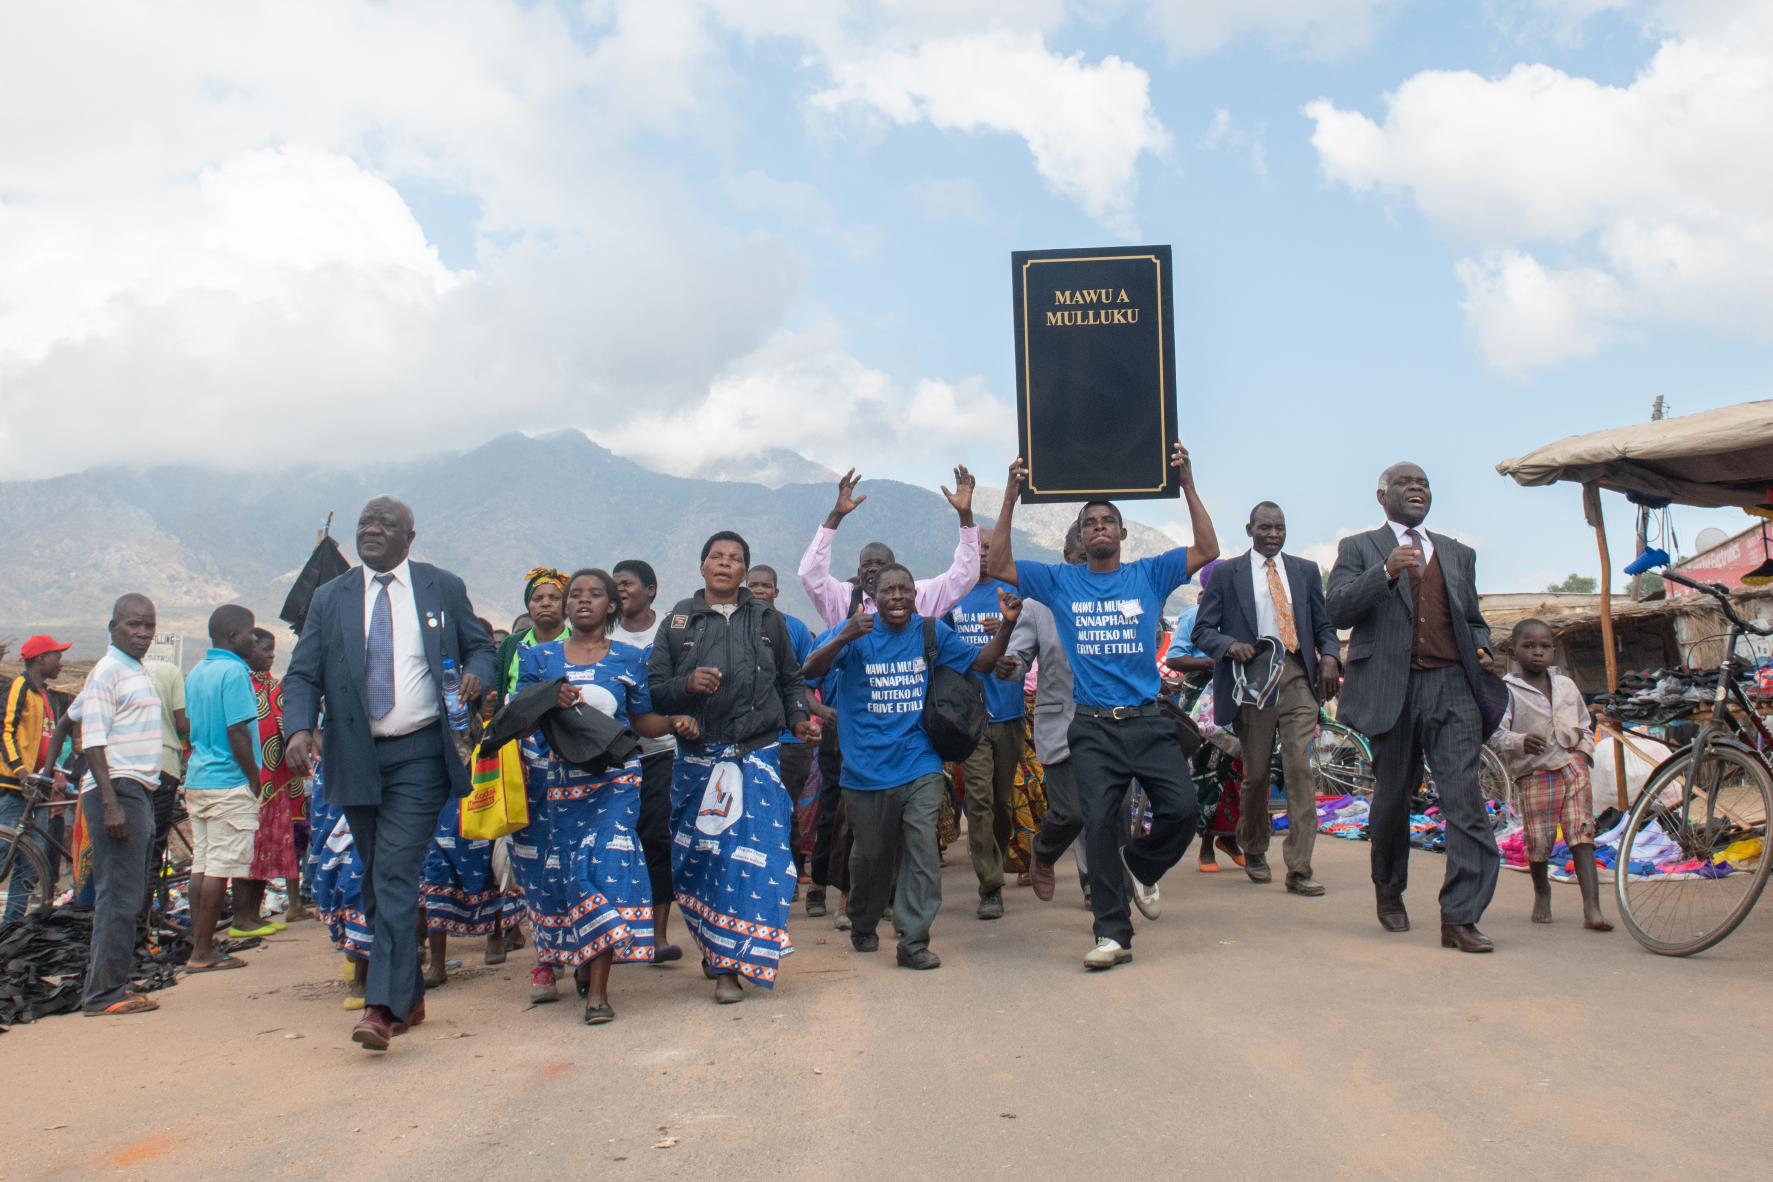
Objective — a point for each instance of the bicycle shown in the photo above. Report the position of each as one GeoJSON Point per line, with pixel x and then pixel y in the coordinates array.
{"type": "Point", "coordinates": [1711, 798]}
{"type": "Point", "coordinates": [34, 843]}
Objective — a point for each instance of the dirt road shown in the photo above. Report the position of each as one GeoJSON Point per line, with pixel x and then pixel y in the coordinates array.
{"type": "Point", "coordinates": [1256, 1035]}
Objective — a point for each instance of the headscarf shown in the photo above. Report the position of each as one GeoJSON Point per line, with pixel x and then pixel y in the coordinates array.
{"type": "Point", "coordinates": [542, 574]}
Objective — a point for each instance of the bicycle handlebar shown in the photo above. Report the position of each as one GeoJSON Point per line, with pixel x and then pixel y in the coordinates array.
{"type": "Point", "coordinates": [1720, 593]}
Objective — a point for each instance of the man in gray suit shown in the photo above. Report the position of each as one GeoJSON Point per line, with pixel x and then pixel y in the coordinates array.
{"type": "Point", "coordinates": [1418, 682]}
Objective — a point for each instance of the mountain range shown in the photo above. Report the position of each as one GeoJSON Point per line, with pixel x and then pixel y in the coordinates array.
{"type": "Point", "coordinates": [192, 538]}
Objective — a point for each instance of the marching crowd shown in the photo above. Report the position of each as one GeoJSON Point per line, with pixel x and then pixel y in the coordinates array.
{"type": "Point", "coordinates": [346, 779]}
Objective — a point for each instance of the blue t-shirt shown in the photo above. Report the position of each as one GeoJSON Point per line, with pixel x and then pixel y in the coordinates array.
{"type": "Point", "coordinates": [1108, 622]}
{"type": "Point", "coordinates": [803, 648]}
{"type": "Point", "coordinates": [1002, 698]}
{"type": "Point", "coordinates": [879, 703]}
{"type": "Point", "coordinates": [1182, 639]}
{"type": "Point", "coordinates": [218, 695]}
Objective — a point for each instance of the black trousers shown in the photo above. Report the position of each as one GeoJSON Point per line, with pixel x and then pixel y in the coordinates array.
{"type": "Point", "coordinates": [655, 820]}
{"type": "Point", "coordinates": [166, 803]}
{"type": "Point", "coordinates": [797, 765]}
{"type": "Point", "coordinates": [1440, 719]}
{"type": "Point", "coordinates": [830, 797]}
{"type": "Point", "coordinates": [391, 839]}
{"type": "Point", "coordinates": [1107, 756]}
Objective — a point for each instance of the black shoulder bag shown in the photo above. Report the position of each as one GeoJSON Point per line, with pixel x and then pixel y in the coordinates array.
{"type": "Point", "coordinates": [954, 711]}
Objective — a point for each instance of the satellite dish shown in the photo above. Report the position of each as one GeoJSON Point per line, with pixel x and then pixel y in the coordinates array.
{"type": "Point", "coordinates": [1709, 537]}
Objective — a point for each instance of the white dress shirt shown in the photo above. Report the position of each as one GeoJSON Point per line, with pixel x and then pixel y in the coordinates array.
{"type": "Point", "coordinates": [1267, 622]}
{"type": "Point", "coordinates": [1427, 546]}
{"type": "Point", "coordinates": [417, 700]}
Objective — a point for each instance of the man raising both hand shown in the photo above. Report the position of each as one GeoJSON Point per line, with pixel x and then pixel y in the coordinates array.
{"type": "Point", "coordinates": [1107, 616]}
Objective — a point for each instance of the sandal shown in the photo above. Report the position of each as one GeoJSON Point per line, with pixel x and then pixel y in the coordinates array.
{"type": "Point", "coordinates": [226, 962]}
{"type": "Point", "coordinates": [135, 1005]}
{"type": "Point", "coordinates": [1209, 867]}
{"type": "Point", "coordinates": [235, 933]}
{"type": "Point", "coordinates": [598, 1015]}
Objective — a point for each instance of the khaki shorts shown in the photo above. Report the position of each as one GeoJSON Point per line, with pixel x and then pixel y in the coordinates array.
{"type": "Point", "coordinates": [224, 825]}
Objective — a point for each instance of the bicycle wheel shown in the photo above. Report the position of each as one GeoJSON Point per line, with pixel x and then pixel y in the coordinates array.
{"type": "Point", "coordinates": [1493, 778]}
{"type": "Point", "coordinates": [1340, 763]}
{"type": "Point", "coordinates": [42, 896]}
{"type": "Point", "coordinates": [1730, 802]}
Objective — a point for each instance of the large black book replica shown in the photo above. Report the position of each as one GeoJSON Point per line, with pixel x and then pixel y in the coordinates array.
{"type": "Point", "coordinates": [1095, 373]}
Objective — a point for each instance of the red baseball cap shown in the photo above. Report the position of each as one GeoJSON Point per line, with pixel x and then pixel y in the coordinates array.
{"type": "Point", "coordinates": [38, 645]}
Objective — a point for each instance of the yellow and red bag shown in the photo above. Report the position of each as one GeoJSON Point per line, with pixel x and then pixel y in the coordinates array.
{"type": "Point", "coordinates": [496, 805]}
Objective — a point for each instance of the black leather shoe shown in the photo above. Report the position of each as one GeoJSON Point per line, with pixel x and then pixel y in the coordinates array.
{"type": "Point", "coordinates": [1304, 884]}
{"type": "Point", "coordinates": [1392, 916]}
{"type": "Point", "coordinates": [865, 943]}
{"type": "Point", "coordinates": [1256, 866]}
{"type": "Point", "coordinates": [923, 958]}
{"type": "Point", "coordinates": [815, 901]}
{"type": "Point", "coordinates": [1465, 937]}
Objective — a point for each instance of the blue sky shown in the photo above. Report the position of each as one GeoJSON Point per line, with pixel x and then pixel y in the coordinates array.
{"type": "Point", "coordinates": [1438, 231]}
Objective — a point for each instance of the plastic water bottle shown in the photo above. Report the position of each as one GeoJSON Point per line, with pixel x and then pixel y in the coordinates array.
{"type": "Point", "coordinates": [452, 697]}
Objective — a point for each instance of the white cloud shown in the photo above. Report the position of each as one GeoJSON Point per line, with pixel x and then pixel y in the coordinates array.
{"type": "Point", "coordinates": [1321, 28]}
{"type": "Point", "coordinates": [1086, 125]}
{"type": "Point", "coordinates": [803, 391]}
{"type": "Point", "coordinates": [958, 200]}
{"type": "Point", "coordinates": [1592, 207]}
{"type": "Point", "coordinates": [1227, 132]}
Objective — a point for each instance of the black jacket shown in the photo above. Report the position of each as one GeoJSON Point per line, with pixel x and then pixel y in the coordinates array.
{"type": "Point", "coordinates": [588, 739]}
{"type": "Point", "coordinates": [761, 692]}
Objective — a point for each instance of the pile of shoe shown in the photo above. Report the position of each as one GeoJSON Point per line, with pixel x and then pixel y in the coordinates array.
{"type": "Point", "coordinates": [1650, 698]}
{"type": "Point", "coordinates": [43, 964]}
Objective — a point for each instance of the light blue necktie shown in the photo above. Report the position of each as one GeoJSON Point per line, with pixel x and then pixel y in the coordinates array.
{"type": "Point", "coordinates": [379, 673]}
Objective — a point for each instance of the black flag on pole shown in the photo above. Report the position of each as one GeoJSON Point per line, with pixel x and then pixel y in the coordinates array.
{"type": "Point", "coordinates": [324, 565]}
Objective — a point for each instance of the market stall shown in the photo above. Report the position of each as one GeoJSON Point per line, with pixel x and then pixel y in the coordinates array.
{"type": "Point", "coordinates": [1712, 459]}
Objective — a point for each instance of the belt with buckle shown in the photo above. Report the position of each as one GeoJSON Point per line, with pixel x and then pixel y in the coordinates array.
{"type": "Point", "coordinates": [1119, 713]}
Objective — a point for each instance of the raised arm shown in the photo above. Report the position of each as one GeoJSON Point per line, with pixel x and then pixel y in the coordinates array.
{"type": "Point", "coordinates": [1002, 562]}
{"type": "Point", "coordinates": [1011, 607]}
{"type": "Point", "coordinates": [830, 597]}
{"type": "Point", "coordinates": [936, 596]}
{"type": "Point", "coordinates": [1205, 546]}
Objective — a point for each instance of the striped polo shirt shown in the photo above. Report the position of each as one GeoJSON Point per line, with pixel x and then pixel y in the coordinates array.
{"type": "Point", "coordinates": [119, 710]}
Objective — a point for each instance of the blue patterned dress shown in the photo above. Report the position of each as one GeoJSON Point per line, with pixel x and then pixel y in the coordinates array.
{"type": "Point", "coordinates": [461, 894]}
{"type": "Point", "coordinates": [579, 860]}
{"type": "Point", "coordinates": [338, 874]}
{"type": "Point", "coordinates": [731, 820]}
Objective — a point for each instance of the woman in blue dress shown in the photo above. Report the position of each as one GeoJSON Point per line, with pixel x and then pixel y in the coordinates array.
{"type": "Point", "coordinates": [579, 860]}
{"type": "Point", "coordinates": [338, 887]}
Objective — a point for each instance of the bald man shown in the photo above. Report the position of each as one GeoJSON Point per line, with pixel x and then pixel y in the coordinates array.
{"type": "Point", "coordinates": [373, 647]}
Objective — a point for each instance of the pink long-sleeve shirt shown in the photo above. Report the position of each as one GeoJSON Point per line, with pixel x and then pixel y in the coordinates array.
{"type": "Point", "coordinates": [831, 597]}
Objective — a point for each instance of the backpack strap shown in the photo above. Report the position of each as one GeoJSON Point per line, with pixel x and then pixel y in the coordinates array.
{"type": "Point", "coordinates": [855, 600]}
{"type": "Point", "coordinates": [929, 646]}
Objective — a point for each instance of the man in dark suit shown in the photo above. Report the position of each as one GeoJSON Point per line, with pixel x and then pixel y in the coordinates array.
{"type": "Point", "coordinates": [373, 648]}
{"type": "Point", "coordinates": [1419, 683]}
{"type": "Point", "coordinates": [1266, 593]}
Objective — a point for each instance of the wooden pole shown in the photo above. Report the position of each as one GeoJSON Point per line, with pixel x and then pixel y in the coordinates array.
{"type": "Point", "coordinates": [1591, 506]}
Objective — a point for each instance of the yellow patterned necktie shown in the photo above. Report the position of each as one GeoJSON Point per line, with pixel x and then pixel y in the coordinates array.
{"type": "Point", "coordinates": [1283, 611]}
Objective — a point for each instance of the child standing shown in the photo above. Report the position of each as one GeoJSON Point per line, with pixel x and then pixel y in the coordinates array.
{"type": "Point", "coordinates": [1547, 741]}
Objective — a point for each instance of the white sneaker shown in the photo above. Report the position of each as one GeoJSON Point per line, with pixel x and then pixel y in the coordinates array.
{"type": "Point", "coordinates": [1106, 954]}
{"type": "Point", "coordinates": [842, 922]}
{"type": "Point", "coordinates": [1145, 896]}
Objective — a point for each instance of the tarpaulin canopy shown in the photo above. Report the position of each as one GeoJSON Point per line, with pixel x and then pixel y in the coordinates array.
{"type": "Point", "coordinates": [1710, 459]}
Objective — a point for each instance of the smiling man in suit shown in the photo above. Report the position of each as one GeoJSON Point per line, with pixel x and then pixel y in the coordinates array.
{"type": "Point", "coordinates": [1266, 593]}
{"type": "Point", "coordinates": [1419, 683]}
{"type": "Point", "coordinates": [373, 648]}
